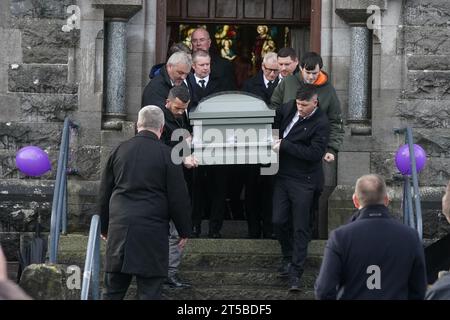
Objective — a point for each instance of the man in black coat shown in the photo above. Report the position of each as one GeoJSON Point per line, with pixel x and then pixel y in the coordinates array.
{"type": "Point", "coordinates": [210, 183]}
{"type": "Point", "coordinates": [175, 118]}
{"type": "Point", "coordinates": [375, 256]}
{"type": "Point", "coordinates": [202, 81]}
{"type": "Point", "coordinates": [259, 188]}
{"type": "Point", "coordinates": [265, 81]}
{"type": "Point", "coordinates": [304, 132]}
{"type": "Point", "coordinates": [174, 73]}
{"type": "Point", "coordinates": [141, 190]}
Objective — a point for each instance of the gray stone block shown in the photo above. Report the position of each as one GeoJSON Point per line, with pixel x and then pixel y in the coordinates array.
{"type": "Point", "coordinates": [424, 113]}
{"type": "Point", "coordinates": [48, 282]}
{"type": "Point", "coordinates": [424, 62]}
{"type": "Point", "coordinates": [88, 132]}
{"type": "Point", "coordinates": [124, 9]}
{"type": "Point", "coordinates": [435, 141]}
{"type": "Point", "coordinates": [11, 48]}
{"type": "Point", "coordinates": [43, 40]}
{"type": "Point", "coordinates": [351, 166]}
{"type": "Point", "coordinates": [49, 79]}
{"type": "Point", "coordinates": [427, 40]}
{"type": "Point", "coordinates": [47, 107]}
{"type": "Point", "coordinates": [86, 160]}
{"type": "Point", "coordinates": [427, 12]}
{"type": "Point", "coordinates": [16, 135]}
{"type": "Point", "coordinates": [428, 85]}
{"type": "Point", "coordinates": [54, 9]}
{"type": "Point", "coordinates": [10, 106]}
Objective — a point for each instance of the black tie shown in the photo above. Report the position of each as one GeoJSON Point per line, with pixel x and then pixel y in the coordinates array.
{"type": "Point", "coordinates": [270, 85]}
{"type": "Point", "coordinates": [202, 83]}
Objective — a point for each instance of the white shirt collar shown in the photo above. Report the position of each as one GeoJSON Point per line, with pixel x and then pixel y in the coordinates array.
{"type": "Point", "coordinates": [197, 79]}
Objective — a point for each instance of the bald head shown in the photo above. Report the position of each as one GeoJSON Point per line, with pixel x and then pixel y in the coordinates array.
{"type": "Point", "coordinates": [370, 190]}
{"type": "Point", "coordinates": [200, 40]}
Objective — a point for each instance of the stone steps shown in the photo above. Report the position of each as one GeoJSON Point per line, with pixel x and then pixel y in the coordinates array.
{"type": "Point", "coordinates": [221, 269]}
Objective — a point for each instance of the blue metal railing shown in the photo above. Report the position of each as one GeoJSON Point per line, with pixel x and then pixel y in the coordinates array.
{"type": "Point", "coordinates": [58, 222]}
{"type": "Point", "coordinates": [92, 264]}
{"type": "Point", "coordinates": [412, 210]}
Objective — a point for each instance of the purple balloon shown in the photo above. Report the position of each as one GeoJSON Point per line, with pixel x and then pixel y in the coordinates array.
{"type": "Point", "coordinates": [403, 162]}
{"type": "Point", "coordinates": [33, 161]}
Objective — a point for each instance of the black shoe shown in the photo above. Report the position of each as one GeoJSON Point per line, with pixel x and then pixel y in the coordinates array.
{"type": "Point", "coordinates": [196, 231]}
{"type": "Point", "coordinates": [294, 284]}
{"type": "Point", "coordinates": [175, 282]}
{"type": "Point", "coordinates": [284, 269]}
{"type": "Point", "coordinates": [215, 235]}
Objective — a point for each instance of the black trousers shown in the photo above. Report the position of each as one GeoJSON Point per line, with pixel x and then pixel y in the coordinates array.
{"type": "Point", "coordinates": [293, 206]}
{"type": "Point", "coordinates": [116, 286]}
{"type": "Point", "coordinates": [258, 202]}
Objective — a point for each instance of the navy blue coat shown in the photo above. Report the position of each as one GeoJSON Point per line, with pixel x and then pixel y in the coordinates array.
{"type": "Point", "coordinates": [373, 239]}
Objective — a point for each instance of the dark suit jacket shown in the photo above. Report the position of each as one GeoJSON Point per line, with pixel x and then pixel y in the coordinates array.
{"type": "Point", "coordinates": [140, 191]}
{"type": "Point", "coordinates": [373, 239]}
{"type": "Point", "coordinates": [222, 69]}
{"type": "Point", "coordinates": [214, 85]}
{"type": "Point", "coordinates": [256, 86]}
{"type": "Point", "coordinates": [302, 150]}
{"type": "Point", "coordinates": [171, 124]}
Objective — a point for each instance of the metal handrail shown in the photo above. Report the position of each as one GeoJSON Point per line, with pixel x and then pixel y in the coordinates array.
{"type": "Point", "coordinates": [92, 263]}
{"type": "Point", "coordinates": [408, 205]}
{"type": "Point", "coordinates": [58, 222]}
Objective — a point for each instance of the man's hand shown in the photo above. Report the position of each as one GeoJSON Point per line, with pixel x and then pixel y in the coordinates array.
{"type": "Point", "coordinates": [182, 243]}
{"type": "Point", "coordinates": [190, 162]}
{"type": "Point", "coordinates": [276, 145]}
{"type": "Point", "coordinates": [104, 236]}
{"type": "Point", "coordinates": [329, 157]}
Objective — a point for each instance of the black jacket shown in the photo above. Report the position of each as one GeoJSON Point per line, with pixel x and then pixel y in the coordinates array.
{"type": "Point", "coordinates": [171, 124]}
{"type": "Point", "coordinates": [222, 69]}
{"type": "Point", "coordinates": [214, 85]}
{"type": "Point", "coordinates": [256, 86]}
{"type": "Point", "coordinates": [140, 191]}
{"type": "Point", "coordinates": [373, 242]}
{"type": "Point", "coordinates": [302, 150]}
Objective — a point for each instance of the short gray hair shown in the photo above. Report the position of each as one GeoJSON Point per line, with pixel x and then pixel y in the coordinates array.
{"type": "Point", "coordinates": [270, 56]}
{"type": "Point", "coordinates": [150, 118]}
{"type": "Point", "coordinates": [180, 58]}
{"type": "Point", "coordinates": [370, 189]}
{"type": "Point", "coordinates": [200, 53]}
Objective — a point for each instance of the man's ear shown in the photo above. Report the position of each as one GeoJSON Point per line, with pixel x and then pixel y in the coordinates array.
{"type": "Point", "coordinates": [355, 201]}
{"type": "Point", "coordinates": [386, 200]}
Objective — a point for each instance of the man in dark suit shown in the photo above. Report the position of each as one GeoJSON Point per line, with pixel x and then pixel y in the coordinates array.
{"type": "Point", "coordinates": [220, 68]}
{"type": "Point", "coordinates": [375, 256]}
{"type": "Point", "coordinates": [201, 81]}
{"type": "Point", "coordinates": [210, 182]}
{"type": "Point", "coordinates": [258, 188]}
{"type": "Point", "coordinates": [304, 132]}
{"type": "Point", "coordinates": [265, 81]}
{"type": "Point", "coordinates": [140, 191]}
{"type": "Point", "coordinates": [174, 73]}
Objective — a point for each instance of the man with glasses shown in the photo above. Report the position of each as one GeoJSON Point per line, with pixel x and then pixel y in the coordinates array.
{"type": "Point", "coordinates": [265, 81]}
{"type": "Point", "coordinates": [258, 189]}
{"type": "Point", "coordinates": [221, 69]}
